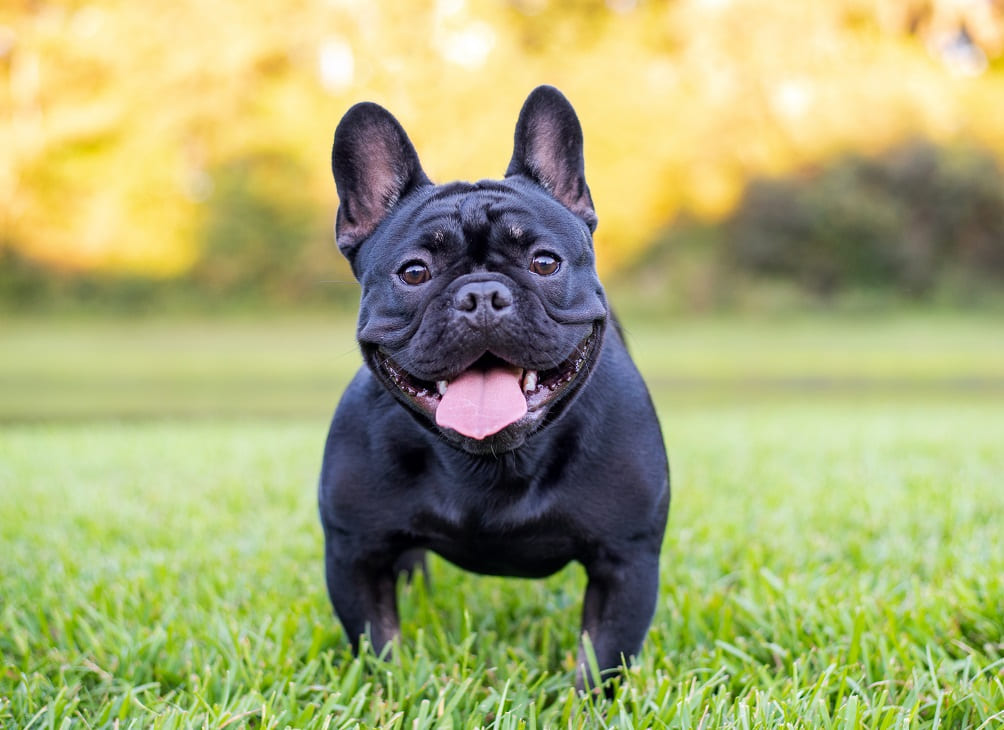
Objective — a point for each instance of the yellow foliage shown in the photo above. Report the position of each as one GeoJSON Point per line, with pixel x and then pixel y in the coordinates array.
{"type": "Point", "coordinates": [116, 114]}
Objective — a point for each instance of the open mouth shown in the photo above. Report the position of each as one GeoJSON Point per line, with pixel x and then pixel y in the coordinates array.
{"type": "Point", "coordinates": [491, 394]}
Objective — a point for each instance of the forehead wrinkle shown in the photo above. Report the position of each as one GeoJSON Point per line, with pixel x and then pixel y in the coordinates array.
{"type": "Point", "coordinates": [437, 241]}
{"type": "Point", "coordinates": [492, 207]}
{"type": "Point", "coordinates": [444, 192]}
{"type": "Point", "coordinates": [442, 217]}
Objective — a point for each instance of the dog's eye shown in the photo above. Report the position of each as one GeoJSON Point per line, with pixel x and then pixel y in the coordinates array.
{"type": "Point", "coordinates": [414, 273]}
{"type": "Point", "coordinates": [545, 264]}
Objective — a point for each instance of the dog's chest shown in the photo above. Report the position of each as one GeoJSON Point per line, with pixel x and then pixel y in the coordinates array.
{"type": "Point", "coordinates": [499, 541]}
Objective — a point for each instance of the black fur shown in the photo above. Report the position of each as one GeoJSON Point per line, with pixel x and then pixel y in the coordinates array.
{"type": "Point", "coordinates": [581, 477]}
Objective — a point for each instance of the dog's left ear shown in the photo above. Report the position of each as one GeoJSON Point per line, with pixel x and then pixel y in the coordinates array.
{"type": "Point", "coordinates": [548, 150]}
{"type": "Point", "coordinates": [374, 165]}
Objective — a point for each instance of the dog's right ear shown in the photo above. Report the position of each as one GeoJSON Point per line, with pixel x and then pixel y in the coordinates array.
{"type": "Point", "coordinates": [375, 165]}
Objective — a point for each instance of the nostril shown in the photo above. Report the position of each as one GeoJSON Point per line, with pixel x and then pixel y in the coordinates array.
{"type": "Point", "coordinates": [467, 301]}
{"type": "Point", "coordinates": [501, 298]}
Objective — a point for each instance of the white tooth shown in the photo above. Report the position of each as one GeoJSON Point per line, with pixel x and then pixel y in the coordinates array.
{"type": "Point", "coordinates": [530, 381]}
{"type": "Point", "coordinates": [441, 386]}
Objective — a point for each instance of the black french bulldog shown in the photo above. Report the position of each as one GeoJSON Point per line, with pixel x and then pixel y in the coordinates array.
{"type": "Point", "coordinates": [498, 420]}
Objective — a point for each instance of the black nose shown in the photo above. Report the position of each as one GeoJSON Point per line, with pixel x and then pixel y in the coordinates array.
{"type": "Point", "coordinates": [483, 299]}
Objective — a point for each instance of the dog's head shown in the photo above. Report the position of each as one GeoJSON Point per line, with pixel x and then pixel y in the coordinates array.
{"type": "Point", "coordinates": [481, 310]}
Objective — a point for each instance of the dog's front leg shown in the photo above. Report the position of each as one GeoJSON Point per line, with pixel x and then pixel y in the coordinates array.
{"type": "Point", "coordinates": [363, 594]}
{"type": "Point", "coordinates": [618, 607]}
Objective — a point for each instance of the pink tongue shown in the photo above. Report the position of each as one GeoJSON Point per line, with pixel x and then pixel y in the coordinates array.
{"type": "Point", "coordinates": [480, 403]}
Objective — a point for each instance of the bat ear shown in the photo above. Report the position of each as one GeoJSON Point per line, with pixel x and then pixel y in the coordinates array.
{"type": "Point", "coordinates": [375, 165]}
{"type": "Point", "coordinates": [548, 149]}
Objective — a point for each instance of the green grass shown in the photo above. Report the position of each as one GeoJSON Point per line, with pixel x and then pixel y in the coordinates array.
{"type": "Point", "coordinates": [833, 560]}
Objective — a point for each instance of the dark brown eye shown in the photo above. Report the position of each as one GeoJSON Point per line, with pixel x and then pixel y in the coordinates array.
{"type": "Point", "coordinates": [545, 264]}
{"type": "Point", "coordinates": [414, 273]}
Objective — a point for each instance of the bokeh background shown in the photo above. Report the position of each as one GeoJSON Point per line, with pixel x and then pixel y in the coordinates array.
{"type": "Point", "coordinates": [743, 155]}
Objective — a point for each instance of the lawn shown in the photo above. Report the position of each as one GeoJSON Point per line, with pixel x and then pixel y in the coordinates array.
{"type": "Point", "coordinates": [834, 555]}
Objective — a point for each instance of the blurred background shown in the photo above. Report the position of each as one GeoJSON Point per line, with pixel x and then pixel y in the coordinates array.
{"type": "Point", "coordinates": [822, 159]}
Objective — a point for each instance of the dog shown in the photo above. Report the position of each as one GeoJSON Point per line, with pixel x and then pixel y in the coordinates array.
{"type": "Point", "coordinates": [498, 420]}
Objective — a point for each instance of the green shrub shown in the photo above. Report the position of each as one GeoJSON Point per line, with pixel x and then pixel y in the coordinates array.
{"type": "Point", "coordinates": [907, 220]}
